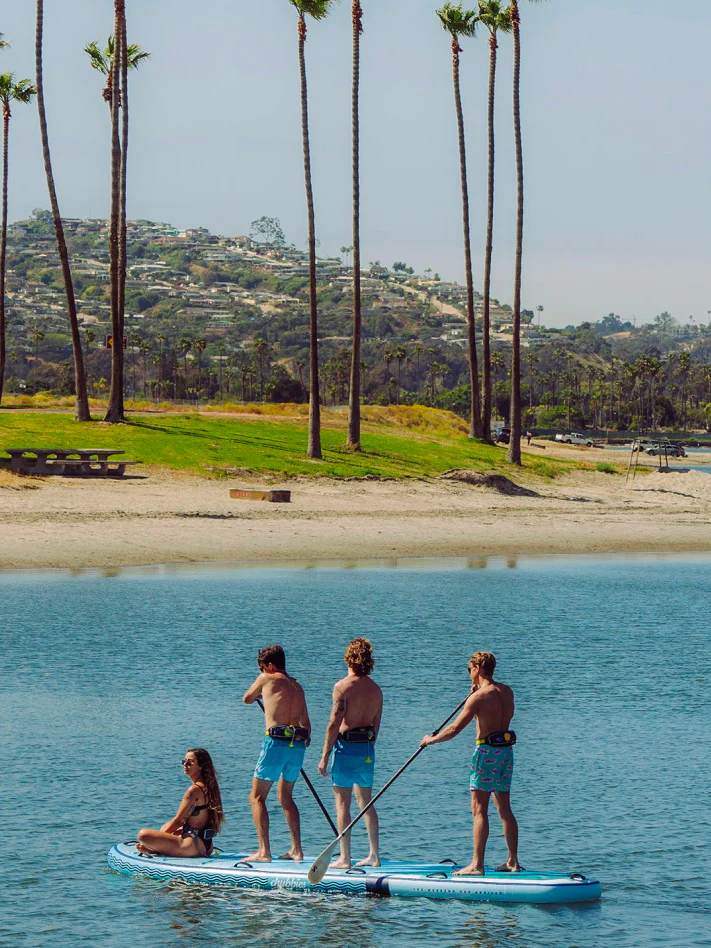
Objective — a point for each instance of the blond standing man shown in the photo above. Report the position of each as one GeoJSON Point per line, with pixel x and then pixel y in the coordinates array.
{"type": "Point", "coordinates": [351, 735]}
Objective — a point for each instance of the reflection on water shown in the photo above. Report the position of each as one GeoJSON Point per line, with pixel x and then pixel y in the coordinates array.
{"type": "Point", "coordinates": [109, 679]}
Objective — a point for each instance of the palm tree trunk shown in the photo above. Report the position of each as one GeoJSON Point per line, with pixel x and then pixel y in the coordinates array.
{"type": "Point", "coordinates": [353, 440]}
{"type": "Point", "coordinates": [3, 243]}
{"type": "Point", "coordinates": [314, 444]}
{"type": "Point", "coordinates": [475, 427]}
{"type": "Point", "coordinates": [123, 174]}
{"type": "Point", "coordinates": [115, 412]}
{"type": "Point", "coordinates": [486, 342]}
{"type": "Point", "coordinates": [514, 454]}
{"type": "Point", "coordinates": [81, 408]}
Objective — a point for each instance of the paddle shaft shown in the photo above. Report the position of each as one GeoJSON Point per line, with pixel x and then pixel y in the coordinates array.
{"type": "Point", "coordinates": [311, 787]}
{"type": "Point", "coordinates": [392, 780]}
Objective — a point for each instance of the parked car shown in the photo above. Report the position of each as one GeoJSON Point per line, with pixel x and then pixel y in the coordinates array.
{"type": "Point", "coordinates": [574, 437]}
{"type": "Point", "coordinates": [671, 448]}
{"type": "Point", "coordinates": [502, 435]}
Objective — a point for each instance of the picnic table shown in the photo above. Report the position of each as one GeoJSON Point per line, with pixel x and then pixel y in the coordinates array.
{"type": "Point", "coordinates": [71, 462]}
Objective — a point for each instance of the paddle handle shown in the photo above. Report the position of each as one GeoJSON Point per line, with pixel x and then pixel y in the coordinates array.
{"type": "Point", "coordinates": [404, 767]}
{"type": "Point", "coordinates": [311, 787]}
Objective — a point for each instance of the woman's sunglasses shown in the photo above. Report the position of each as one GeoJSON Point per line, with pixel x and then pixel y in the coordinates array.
{"type": "Point", "coordinates": [187, 763]}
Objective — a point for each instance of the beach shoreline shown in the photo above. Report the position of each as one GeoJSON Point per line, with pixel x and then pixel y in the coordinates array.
{"type": "Point", "coordinates": [171, 518]}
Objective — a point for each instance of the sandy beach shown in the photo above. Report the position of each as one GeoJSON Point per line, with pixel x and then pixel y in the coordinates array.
{"type": "Point", "coordinates": [173, 518]}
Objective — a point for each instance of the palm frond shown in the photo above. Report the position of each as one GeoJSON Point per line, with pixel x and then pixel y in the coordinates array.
{"type": "Point", "coordinates": [12, 90]}
{"type": "Point", "coordinates": [494, 16]}
{"type": "Point", "coordinates": [3, 42]}
{"type": "Point", "coordinates": [136, 56]}
{"type": "Point", "coordinates": [102, 59]}
{"type": "Point", "coordinates": [456, 20]}
{"type": "Point", "coordinates": [24, 91]}
{"type": "Point", "coordinates": [98, 58]}
{"type": "Point", "coordinates": [317, 9]}
{"type": "Point", "coordinates": [7, 80]}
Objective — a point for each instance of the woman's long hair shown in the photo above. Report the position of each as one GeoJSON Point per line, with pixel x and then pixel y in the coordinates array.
{"type": "Point", "coordinates": [212, 788]}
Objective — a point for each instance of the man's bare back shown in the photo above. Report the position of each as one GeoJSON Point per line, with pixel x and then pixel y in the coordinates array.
{"type": "Point", "coordinates": [493, 705]}
{"type": "Point", "coordinates": [284, 700]}
{"type": "Point", "coordinates": [362, 702]}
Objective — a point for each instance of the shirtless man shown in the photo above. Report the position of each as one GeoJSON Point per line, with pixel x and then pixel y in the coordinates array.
{"type": "Point", "coordinates": [288, 733]}
{"type": "Point", "coordinates": [492, 704]}
{"type": "Point", "coordinates": [351, 734]}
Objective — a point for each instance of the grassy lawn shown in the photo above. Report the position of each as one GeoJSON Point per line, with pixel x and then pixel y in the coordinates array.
{"type": "Point", "coordinates": [396, 442]}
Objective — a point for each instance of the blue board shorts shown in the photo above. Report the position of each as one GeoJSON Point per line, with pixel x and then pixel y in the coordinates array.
{"type": "Point", "coordinates": [353, 764]}
{"type": "Point", "coordinates": [492, 769]}
{"type": "Point", "coordinates": [280, 759]}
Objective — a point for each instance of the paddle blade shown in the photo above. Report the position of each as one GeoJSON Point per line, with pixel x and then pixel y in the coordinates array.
{"type": "Point", "coordinates": [321, 863]}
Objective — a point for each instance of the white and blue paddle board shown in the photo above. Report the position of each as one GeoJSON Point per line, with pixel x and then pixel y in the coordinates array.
{"type": "Point", "coordinates": [403, 879]}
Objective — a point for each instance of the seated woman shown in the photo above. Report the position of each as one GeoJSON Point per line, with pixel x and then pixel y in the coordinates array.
{"type": "Point", "coordinates": [199, 817]}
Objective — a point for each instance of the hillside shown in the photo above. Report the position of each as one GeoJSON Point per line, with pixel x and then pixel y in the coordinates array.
{"type": "Point", "coordinates": [214, 319]}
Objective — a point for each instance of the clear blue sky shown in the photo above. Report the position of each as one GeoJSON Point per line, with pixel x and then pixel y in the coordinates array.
{"type": "Point", "coordinates": [617, 126]}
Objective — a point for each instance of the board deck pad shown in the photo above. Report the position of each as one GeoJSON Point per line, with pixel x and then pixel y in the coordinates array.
{"type": "Point", "coordinates": [393, 878]}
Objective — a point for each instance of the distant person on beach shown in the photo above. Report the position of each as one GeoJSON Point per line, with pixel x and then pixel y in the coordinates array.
{"type": "Point", "coordinates": [528, 438]}
{"type": "Point", "coordinates": [199, 818]}
{"type": "Point", "coordinates": [282, 757]}
{"type": "Point", "coordinates": [351, 735]}
{"type": "Point", "coordinates": [492, 704]}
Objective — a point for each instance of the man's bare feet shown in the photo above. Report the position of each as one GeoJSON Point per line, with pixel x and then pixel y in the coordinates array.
{"type": "Point", "coordinates": [370, 861]}
{"type": "Point", "coordinates": [470, 870]}
{"type": "Point", "coordinates": [295, 854]}
{"type": "Point", "coordinates": [507, 867]}
{"type": "Point", "coordinates": [340, 864]}
{"type": "Point", "coordinates": [259, 856]}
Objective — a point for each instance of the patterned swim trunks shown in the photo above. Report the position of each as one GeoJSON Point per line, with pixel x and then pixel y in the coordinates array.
{"type": "Point", "coordinates": [492, 769]}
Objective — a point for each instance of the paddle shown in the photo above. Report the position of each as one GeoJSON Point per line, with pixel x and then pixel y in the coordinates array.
{"type": "Point", "coordinates": [320, 865]}
{"type": "Point", "coordinates": [311, 787]}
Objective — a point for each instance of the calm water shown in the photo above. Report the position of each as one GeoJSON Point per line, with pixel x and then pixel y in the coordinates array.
{"type": "Point", "coordinates": [107, 681]}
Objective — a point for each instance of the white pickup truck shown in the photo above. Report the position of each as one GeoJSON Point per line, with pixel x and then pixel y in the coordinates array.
{"type": "Point", "coordinates": [574, 437]}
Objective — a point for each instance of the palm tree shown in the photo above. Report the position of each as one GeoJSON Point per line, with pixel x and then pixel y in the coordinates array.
{"type": "Point", "coordinates": [102, 61]}
{"type": "Point", "coordinates": [199, 345]}
{"type": "Point", "coordinates": [495, 18]}
{"type": "Point", "coordinates": [353, 439]}
{"type": "Point", "coordinates": [37, 335]}
{"type": "Point", "coordinates": [184, 346]}
{"type": "Point", "coordinates": [419, 349]}
{"type": "Point", "coordinates": [115, 411]}
{"type": "Point", "coordinates": [458, 22]}
{"type": "Point", "coordinates": [261, 346]}
{"type": "Point", "coordinates": [388, 358]}
{"type": "Point", "coordinates": [300, 366]}
{"type": "Point", "coordinates": [318, 10]}
{"type": "Point", "coordinates": [400, 355]}
{"type": "Point", "coordinates": [11, 90]}
{"type": "Point", "coordinates": [532, 360]}
{"type": "Point", "coordinates": [514, 453]}
{"type": "Point", "coordinates": [3, 43]}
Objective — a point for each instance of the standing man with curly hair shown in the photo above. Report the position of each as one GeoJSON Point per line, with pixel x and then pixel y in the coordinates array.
{"type": "Point", "coordinates": [351, 734]}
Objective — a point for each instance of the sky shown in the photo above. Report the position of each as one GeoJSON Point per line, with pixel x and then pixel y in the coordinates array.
{"type": "Point", "coordinates": [616, 123]}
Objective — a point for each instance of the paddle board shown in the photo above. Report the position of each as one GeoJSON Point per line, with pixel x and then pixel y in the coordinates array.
{"type": "Point", "coordinates": [393, 878]}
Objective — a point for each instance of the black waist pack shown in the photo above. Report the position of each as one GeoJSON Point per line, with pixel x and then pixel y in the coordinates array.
{"type": "Point", "coordinates": [500, 739]}
{"type": "Point", "coordinates": [359, 735]}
